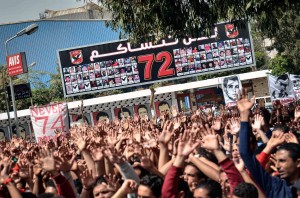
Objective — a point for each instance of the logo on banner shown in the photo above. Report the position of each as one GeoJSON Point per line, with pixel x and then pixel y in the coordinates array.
{"type": "Point", "coordinates": [76, 57]}
{"type": "Point", "coordinates": [231, 31]}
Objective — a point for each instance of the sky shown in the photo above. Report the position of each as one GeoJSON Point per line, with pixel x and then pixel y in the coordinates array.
{"type": "Point", "coordinates": [12, 11]}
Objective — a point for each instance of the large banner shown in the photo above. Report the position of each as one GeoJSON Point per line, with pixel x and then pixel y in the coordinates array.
{"type": "Point", "coordinates": [281, 88]}
{"type": "Point", "coordinates": [49, 118]}
{"type": "Point", "coordinates": [121, 64]}
{"type": "Point", "coordinates": [231, 87]}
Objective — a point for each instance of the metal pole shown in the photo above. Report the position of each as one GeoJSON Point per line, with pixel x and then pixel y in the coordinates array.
{"type": "Point", "coordinates": [7, 104]}
{"type": "Point", "coordinates": [12, 89]}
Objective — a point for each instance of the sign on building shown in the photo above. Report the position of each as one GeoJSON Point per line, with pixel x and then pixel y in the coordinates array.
{"type": "Point", "coordinates": [16, 64]}
{"type": "Point", "coordinates": [121, 64]}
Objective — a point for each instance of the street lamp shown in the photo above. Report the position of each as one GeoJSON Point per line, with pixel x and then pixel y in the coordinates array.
{"type": "Point", "coordinates": [28, 30]}
{"type": "Point", "coordinates": [6, 101]}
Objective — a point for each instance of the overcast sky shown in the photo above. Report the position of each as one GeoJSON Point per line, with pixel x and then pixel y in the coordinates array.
{"type": "Point", "coordinates": [12, 11]}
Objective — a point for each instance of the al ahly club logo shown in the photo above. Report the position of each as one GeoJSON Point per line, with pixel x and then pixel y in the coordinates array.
{"type": "Point", "coordinates": [231, 30]}
{"type": "Point", "coordinates": [76, 57]}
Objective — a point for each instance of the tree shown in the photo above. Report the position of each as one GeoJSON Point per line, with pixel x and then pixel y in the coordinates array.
{"type": "Point", "coordinates": [286, 40]}
{"type": "Point", "coordinates": [145, 20]}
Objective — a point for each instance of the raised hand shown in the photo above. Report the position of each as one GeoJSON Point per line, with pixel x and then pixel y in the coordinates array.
{"type": "Point", "coordinates": [297, 113]}
{"type": "Point", "coordinates": [79, 141]}
{"type": "Point", "coordinates": [210, 141]}
{"type": "Point", "coordinates": [277, 139]}
{"type": "Point", "coordinates": [63, 164]}
{"type": "Point", "coordinates": [258, 122]}
{"type": "Point", "coordinates": [87, 179]}
{"type": "Point", "coordinates": [113, 156]}
{"type": "Point", "coordinates": [128, 186]}
{"type": "Point", "coordinates": [239, 164]}
{"type": "Point", "coordinates": [244, 105]}
{"type": "Point", "coordinates": [5, 165]}
{"type": "Point", "coordinates": [165, 136]}
{"type": "Point", "coordinates": [113, 182]}
{"type": "Point", "coordinates": [174, 111]}
{"type": "Point", "coordinates": [48, 161]}
{"type": "Point", "coordinates": [186, 144]}
{"type": "Point", "coordinates": [234, 126]}
{"type": "Point", "coordinates": [97, 154]}
{"type": "Point", "coordinates": [291, 138]}
{"type": "Point", "coordinates": [24, 167]}
{"type": "Point", "coordinates": [147, 163]}
{"type": "Point", "coordinates": [37, 170]}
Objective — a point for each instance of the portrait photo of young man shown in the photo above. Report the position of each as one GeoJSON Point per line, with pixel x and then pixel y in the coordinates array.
{"type": "Point", "coordinates": [231, 86]}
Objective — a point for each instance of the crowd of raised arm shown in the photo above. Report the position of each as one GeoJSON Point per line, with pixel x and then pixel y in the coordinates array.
{"type": "Point", "coordinates": [241, 152]}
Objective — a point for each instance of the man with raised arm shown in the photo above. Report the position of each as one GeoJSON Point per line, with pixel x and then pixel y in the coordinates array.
{"type": "Point", "coordinates": [288, 159]}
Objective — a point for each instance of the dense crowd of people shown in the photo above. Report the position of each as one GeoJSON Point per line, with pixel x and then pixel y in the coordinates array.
{"type": "Point", "coordinates": [241, 152]}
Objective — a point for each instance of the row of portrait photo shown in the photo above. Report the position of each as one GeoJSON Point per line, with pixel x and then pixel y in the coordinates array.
{"type": "Point", "coordinates": [92, 74]}
{"type": "Point", "coordinates": [102, 83]}
{"type": "Point", "coordinates": [211, 56]}
{"type": "Point", "coordinates": [213, 64]}
{"type": "Point", "coordinates": [103, 65]}
{"type": "Point", "coordinates": [240, 44]}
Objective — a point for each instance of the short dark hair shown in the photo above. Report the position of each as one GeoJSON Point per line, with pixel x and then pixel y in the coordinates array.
{"type": "Point", "coordinates": [282, 77]}
{"type": "Point", "coordinates": [153, 182]}
{"type": "Point", "coordinates": [102, 114]}
{"type": "Point", "coordinates": [292, 148]}
{"type": "Point", "coordinates": [214, 188]}
{"type": "Point", "coordinates": [282, 128]}
{"type": "Point", "coordinates": [245, 190]}
{"type": "Point", "coordinates": [123, 110]}
{"type": "Point", "coordinates": [200, 174]}
{"type": "Point", "coordinates": [142, 106]}
{"type": "Point", "coordinates": [235, 78]}
{"type": "Point", "coordinates": [84, 119]}
{"type": "Point", "coordinates": [163, 103]}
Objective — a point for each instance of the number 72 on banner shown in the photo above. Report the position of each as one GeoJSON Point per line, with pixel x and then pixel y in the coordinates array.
{"type": "Point", "coordinates": [164, 59]}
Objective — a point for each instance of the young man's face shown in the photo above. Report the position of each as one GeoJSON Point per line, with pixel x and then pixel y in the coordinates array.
{"type": "Point", "coordinates": [190, 175]}
{"type": "Point", "coordinates": [164, 109]}
{"type": "Point", "coordinates": [142, 111]}
{"type": "Point", "coordinates": [101, 118]}
{"type": "Point", "coordinates": [232, 89]}
{"type": "Point", "coordinates": [102, 191]}
{"type": "Point", "coordinates": [125, 115]}
{"type": "Point", "coordinates": [287, 167]}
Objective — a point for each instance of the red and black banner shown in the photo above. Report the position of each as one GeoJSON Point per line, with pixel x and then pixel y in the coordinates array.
{"type": "Point", "coordinates": [120, 64]}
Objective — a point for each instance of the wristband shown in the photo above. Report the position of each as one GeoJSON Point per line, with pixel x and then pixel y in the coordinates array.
{"type": "Point", "coordinates": [7, 180]}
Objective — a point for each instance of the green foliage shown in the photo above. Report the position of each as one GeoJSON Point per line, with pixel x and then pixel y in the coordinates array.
{"type": "Point", "coordinates": [145, 20]}
{"type": "Point", "coordinates": [282, 64]}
